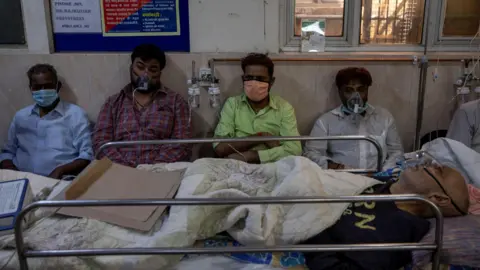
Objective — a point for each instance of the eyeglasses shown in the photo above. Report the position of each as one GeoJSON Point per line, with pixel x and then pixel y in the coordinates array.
{"type": "Point", "coordinates": [444, 191]}
{"type": "Point", "coordinates": [247, 78]}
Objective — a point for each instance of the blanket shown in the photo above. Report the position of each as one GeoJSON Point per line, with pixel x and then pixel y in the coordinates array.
{"type": "Point", "coordinates": [207, 178]}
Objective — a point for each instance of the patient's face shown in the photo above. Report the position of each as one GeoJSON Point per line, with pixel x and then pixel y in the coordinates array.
{"type": "Point", "coordinates": [430, 177]}
{"type": "Point", "coordinates": [442, 185]}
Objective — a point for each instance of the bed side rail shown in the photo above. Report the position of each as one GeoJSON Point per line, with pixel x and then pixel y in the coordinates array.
{"type": "Point", "coordinates": [256, 139]}
{"type": "Point", "coordinates": [23, 254]}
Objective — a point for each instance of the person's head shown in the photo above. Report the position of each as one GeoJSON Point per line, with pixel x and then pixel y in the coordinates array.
{"type": "Point", "coordinates": [442, 185]}
{"type": "Point", "coordinates": [353, 84]}
{"type": "Point", "coordinates": [44, 84]}
{"type": "Point", "coordinates": [148, 61]}
{"type": "Point", "coordinates": [257, 76]}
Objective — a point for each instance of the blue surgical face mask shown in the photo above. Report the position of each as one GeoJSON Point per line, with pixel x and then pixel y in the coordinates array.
{"type": "Point", "coordinates": [45, 97]}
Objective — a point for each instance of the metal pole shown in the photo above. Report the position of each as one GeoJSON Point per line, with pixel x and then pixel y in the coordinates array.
{"type": "Point", "coordinates": [23, 254]}
{"type": "Point", "coordinates": [421, 102]}
{"type": "Point", "coordinates": [370, 139]}
{"type": "Point", "coordinates": [422, 81]}
{"type": "Point", "coordinates": [223, 250]}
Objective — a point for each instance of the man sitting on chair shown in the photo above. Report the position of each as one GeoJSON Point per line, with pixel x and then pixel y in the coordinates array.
{"type": "Point", "coordinates": [257, 113]}
{"type": "Point", "coordinates": [145, 109]}
{"type": "Point", "coordinates": [51, 137]}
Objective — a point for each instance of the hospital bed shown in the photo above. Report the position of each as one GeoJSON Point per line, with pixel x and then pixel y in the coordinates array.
{"type": "Point", "coordinates": [23, 253]}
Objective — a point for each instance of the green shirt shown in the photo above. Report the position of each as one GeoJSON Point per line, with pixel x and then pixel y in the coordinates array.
{"type": "Point", "coordinates": [238, 119]}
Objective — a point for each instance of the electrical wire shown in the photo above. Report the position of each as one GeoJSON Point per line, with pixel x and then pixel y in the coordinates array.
{"type": "Point", "coordinates": [472, 70]}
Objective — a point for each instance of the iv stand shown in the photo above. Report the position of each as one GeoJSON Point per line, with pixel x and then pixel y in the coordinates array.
{"type": "Point", "coordinates": [422, 85]}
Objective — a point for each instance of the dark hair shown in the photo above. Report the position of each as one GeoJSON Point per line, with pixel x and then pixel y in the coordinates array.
{"type": "Point", "coordinates": [353, 73]}
{"type": "Point", "coordinates": [42, 68]}
{"type": "Point", "coordinates": [258, 59]}
{"type": "Point", "coordinates": [147, 52]}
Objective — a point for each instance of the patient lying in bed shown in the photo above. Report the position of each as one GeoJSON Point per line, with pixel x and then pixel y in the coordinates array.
{"type": "Point", "coordinates": [389, 222]}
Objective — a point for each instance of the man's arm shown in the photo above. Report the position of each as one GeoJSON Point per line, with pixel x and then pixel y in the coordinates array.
{"type": "Point", "coordinates": [287, 148]}
{"type": "Point", "coordinates": [10, 149]}
{"type": "Point", "coordinates": [394, 146]}
{"type": "Point", "coordinates": [73, 168]}
{"type": "Point", "coordinates": [182, 129]}
{"type": "Point", "coordinates": [226, 129]}
{"type": "Point", "coordinates": [103, 133]}
{"type": "Point", "coordinates": [83, 143]}
{"type": "Point", "coordinates": [316, 151]}
{"type": "Point", "coordinates": [460, 128]}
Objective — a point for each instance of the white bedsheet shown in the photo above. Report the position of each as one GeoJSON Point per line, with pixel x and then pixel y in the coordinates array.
{"type": "Point", "coordinates": [270, 224]}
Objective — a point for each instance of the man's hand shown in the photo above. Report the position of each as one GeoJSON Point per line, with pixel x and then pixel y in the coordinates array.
{"type": "Point", "coordinates": [57, 173]}
{"type": "Point", "coordinates": [269, 144]}
{"type": "Point", "coordinates": [272, 144]}
{"type": "Point", "coordinates": [252, 156]}
{"type": "Point", "coordinates": [335, 166]}
{"type": "Point", "coordinates": [8, 165]}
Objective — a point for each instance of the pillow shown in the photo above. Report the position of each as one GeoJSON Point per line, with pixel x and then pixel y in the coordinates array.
{"type": "Point", "coordinates": [461, 242]}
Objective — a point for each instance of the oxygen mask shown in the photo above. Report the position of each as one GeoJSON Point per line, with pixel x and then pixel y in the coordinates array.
{"type": "Point", "coordinates": [417, 159]}
{"type": "Point", "coordinates": [355, 104]}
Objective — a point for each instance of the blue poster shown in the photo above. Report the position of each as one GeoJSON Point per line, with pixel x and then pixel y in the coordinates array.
{"type": "Point", "coordinates": [120, 25]}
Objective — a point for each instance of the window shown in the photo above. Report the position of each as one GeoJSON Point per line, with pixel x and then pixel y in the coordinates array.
{"type": "Point", "coordinates": [11, 15]}
{"type": "Point", "coordinates": [330, 10]}
{"type": "Point", "coordinates": [392, 21]}
{"type": "Point", "coordinates": [385, 25]}
{"type": "Point", "coordinates": [462, 18]}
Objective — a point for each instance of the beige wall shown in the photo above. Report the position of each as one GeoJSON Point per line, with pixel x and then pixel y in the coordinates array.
{"type": "Point", "coordinates": [308, 86]}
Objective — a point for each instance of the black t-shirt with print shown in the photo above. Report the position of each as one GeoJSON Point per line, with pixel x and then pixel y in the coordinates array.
{"type": "Point", "coordinates": [368, 222]}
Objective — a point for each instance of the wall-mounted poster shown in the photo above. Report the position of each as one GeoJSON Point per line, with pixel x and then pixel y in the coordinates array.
{"type": "Point", "coordinates": [140, 18]}
{"type": "Point", "coordinates": [120, 25]}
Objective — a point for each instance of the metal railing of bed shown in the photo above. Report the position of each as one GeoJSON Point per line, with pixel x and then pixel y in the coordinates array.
{"type": "Point", "coordinates": [370, 139]}
{"type": "Point", "coordinates": [23, 253]}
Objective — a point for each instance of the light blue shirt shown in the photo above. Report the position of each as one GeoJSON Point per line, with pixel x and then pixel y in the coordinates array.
{"type": "Point", "coordinates": [39, 145]}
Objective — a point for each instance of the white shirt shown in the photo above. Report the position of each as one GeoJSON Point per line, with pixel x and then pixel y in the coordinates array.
{"type": "Point", "coordinates": [377, 122]}
{"type": "Point", "coordinates": [465, 125]}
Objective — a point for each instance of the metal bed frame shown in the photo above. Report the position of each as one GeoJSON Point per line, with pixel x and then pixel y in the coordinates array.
{"type": "Point", "coordinates": [369, 139]}
{"type": "Point", "coordinates": [23, 253]}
